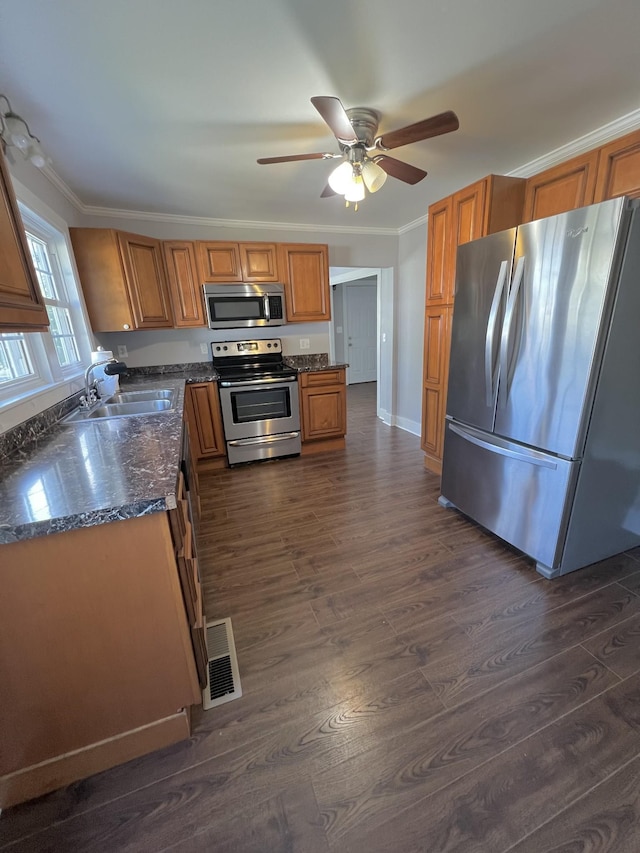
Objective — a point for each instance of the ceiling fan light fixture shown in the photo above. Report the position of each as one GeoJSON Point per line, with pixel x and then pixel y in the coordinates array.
{"type": "Point", "coordinates": [341, 177]}
{"type": "Point", "coordinates": [355, 191]}
{"type": "Point", "coordinates": [373, 176]}
{"type": "Point", "coordinates": [15, 133]}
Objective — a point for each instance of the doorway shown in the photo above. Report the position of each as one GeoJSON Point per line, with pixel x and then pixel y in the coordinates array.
{"type": "Point", "coordinates": [362, 325]}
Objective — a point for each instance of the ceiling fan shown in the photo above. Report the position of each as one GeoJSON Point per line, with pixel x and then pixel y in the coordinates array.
{"type": "Point", "coordinates": [365, 163]}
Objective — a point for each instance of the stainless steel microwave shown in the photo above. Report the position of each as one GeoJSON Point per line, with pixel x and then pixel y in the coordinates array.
{"type": "Point", "coordinates": [244, 305]}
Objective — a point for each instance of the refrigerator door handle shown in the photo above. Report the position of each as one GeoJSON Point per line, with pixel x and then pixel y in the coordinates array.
{"type": "Point", "coordinates": [506, 329]}
{"type": "Point", "coordinates": [500, 447]}
{"type": "Point", "coordinates": [491, 330]}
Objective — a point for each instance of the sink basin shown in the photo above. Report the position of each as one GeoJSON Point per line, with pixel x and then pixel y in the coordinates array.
{"type": "Point", "coordinates": [140, 396]}
{"type": "Point", "coordinates": [121, 410]}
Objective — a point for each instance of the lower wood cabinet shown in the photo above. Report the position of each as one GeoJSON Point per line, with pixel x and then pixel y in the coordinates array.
{"type": "Point", "coordinates": [202, 409]}
{"type": "Point", "coordinates": [323, 408]}
{"type": "Point", "coordinates": [437, 338]}
{"type": "Point", "coordinates": [100, 666]}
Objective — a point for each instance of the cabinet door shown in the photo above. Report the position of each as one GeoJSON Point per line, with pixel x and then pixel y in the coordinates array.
{"type": "Point", "coordinates": [619, 168]}
{"type": "Point", "coordinates": [440, 253]}
{"type": "Point", "coordinates": [219, 262]}
{"type": "Point", "coordinates": [437, 335]}
{"type": "Point", "coordinates": [324, 412]}
{"type": "Point", "coordinates": [259, 261]}
{"type": "Point", "coordinates": [305, 272]}
{"type": "Point", "coordinates": [146, 281]}
{"type": "Point", "coordinates": [185, 288]}
{"type": "Point", "coordinates": [205, 419]}
{"type": "Point", "coordinates": [21, 305]}
{"type": "Point", "coordinates": [468, 212]}
{"type": "Point", "coordinates": [564, 187]}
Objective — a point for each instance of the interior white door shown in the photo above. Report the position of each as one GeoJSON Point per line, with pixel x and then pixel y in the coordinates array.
{"type": "Point", "coordinates": [361, 332]}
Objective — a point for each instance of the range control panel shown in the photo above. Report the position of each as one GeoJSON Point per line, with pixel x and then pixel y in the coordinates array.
{"type": "Point", "coordinates": [225, 349]}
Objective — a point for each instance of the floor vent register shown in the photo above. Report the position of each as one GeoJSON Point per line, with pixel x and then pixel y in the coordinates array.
{"type": "Point", "coordinates": [223, 678]}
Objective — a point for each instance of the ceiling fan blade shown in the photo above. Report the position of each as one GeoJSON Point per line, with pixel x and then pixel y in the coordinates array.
{"type": "Point", "coordinates": [327, 192]}
{"type": "Point", "coordinates": [403, 171]}
{"type": "Point", "coordinates": [336, 117]}
{"type": "Point", "coordinates": [425, 129]}
{"type": "Point", "coordinates": [293, 157]}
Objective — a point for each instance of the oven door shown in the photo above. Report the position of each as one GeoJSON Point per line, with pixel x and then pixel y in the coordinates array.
{"type": "Point", "coordinates": [259, 408]}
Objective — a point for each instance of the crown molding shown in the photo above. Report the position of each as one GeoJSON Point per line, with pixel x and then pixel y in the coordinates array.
{"type": "Point", "coordinates": [593, 139]}
{"type": "Point", "coordinates": [416, 223]}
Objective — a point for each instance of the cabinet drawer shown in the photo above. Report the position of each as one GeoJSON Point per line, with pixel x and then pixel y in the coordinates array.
{"type": "Point", "coordinates": [189, 591]}
{"type": "Point", "coordinates": [323, 377]}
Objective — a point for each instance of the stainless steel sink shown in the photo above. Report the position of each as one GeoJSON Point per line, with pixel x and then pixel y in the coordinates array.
{"type": "Point", "coordinates": [126, 404]}
{"type": "Point", "coordinates": [140, 396]}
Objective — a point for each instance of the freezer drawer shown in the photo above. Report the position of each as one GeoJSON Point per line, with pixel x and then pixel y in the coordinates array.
{"type": "Point", "coordinates": [522, 495]}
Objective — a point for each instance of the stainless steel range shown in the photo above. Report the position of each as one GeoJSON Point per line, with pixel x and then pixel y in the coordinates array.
{"type": "Point", "coordinates": [259, 400]}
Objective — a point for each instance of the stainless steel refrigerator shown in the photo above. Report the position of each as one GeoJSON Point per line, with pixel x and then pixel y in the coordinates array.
{"type": "Point", "coordinates": [542, 433]}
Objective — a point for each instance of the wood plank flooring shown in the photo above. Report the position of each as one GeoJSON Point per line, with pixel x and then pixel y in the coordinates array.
{"type": "Point", "coordinates": [409, 682]}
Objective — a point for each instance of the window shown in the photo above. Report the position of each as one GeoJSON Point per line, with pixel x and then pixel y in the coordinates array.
{"type": "Point", "coordinates": [56, 301]}
{"type": "Point", "coordinates": [33, 362]}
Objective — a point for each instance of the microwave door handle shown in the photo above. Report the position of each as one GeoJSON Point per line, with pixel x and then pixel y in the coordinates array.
{"type": "Point", "coordinates": [267, 311]}
{"type": "Point", "coordinates": [491, 331]}
{"type": "Point", "coordinates": [505, 341]}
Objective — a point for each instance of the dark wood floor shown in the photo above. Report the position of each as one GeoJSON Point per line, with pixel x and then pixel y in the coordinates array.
{"type": "Point", "coordinates": [410, 683]}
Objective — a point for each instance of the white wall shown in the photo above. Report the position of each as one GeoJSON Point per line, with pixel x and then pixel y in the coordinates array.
{"type": "Point", "coordinates": [412, 255]}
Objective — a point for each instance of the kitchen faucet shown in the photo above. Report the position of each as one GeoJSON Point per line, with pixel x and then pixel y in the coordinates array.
{"type": "Point", "coordinates": [90, 388]}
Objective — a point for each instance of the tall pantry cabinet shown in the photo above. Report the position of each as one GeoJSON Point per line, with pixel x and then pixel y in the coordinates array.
{"type": "Point", "coordinates": [487, 206]}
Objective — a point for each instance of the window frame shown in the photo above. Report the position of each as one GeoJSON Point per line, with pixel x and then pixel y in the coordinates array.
{"type": "Point", "coordinates": [22, 397]}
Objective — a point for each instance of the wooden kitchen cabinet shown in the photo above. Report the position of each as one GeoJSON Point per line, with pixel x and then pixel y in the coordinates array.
{"type": "Point", "coordinates": [222, 262]}
{"type": "Point", "coordinates": [619, 168]}
{"type": "Point", "coordinates": [185, 287]}
{"type": "Point", "coordinates": [485, 207]}
{"type": "Point", "coordinates": [323, 410]}
{"type": "Point", "coordinates": [202, 407]}
{"type": "Point", "coordinates": [102, 666]}
{"type": "Point", "coordinates": [561, 188]}
{"type": "Point", "coordinates": [440, 253]}
{"type": "Point", "coordinates": [123, 279]}
{"type": "Point", "coordinates": [305, 275]}
{"type": "Point", "coordinates": [21, 306]}
{"type": "Point", "coordinates": [437, 333]}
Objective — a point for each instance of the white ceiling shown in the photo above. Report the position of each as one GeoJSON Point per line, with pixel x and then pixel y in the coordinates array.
{"type": "Point", "coordinates": [164, 105]}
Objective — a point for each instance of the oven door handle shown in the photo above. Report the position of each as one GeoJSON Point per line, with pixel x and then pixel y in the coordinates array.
{"type": "Point", "coordinates": [257, 382]}
{"type": "Point", "coordinates": [263, 439]}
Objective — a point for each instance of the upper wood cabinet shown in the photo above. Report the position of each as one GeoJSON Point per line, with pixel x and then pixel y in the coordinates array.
{"type": "Point", "coordinates": [440, 252]}
{"type": "Point", "coordinates": [619, 168]}
{"type": "Point", "coordinates": [259, 261]}
{"type": "Point", "coordinates": [489, 205]}
{"type": "Point", "coordinates": [230, 262]}
{"type": "Point", "coordinates": [564, 187]}
{"type": "Point", "coordinates": [123, 279]}
{"type": "Point", "coordinates": [21, 305]}
{"type": "Point", "coordinates": [185, 288]}
{"type": "Point", "coordinates": [305, 275]}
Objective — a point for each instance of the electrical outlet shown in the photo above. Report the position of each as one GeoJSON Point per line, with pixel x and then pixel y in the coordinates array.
{"type": "Point", "coordinates": [204, 349]}
{"type": "Point", "coordinates": [304, 343]}
{"type": "Point", "coordinates": [122, 352]}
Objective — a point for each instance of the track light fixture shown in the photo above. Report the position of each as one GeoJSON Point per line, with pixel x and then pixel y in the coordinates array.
{"type": "Point", "coordinates": [15, 133]}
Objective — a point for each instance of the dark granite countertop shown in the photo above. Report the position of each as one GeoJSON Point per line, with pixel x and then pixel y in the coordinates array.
{"type": "Point", "coordinates": [93, 472]}
{"type": "Point", "coordinates": [313, 363]}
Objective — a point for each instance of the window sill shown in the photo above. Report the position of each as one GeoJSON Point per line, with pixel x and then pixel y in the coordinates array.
{"type": "Point", "coordinates": [22, 406]}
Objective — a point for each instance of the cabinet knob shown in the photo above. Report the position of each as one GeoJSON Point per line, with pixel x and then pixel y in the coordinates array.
{"type": "Point", "coordinates": [126, 326]}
